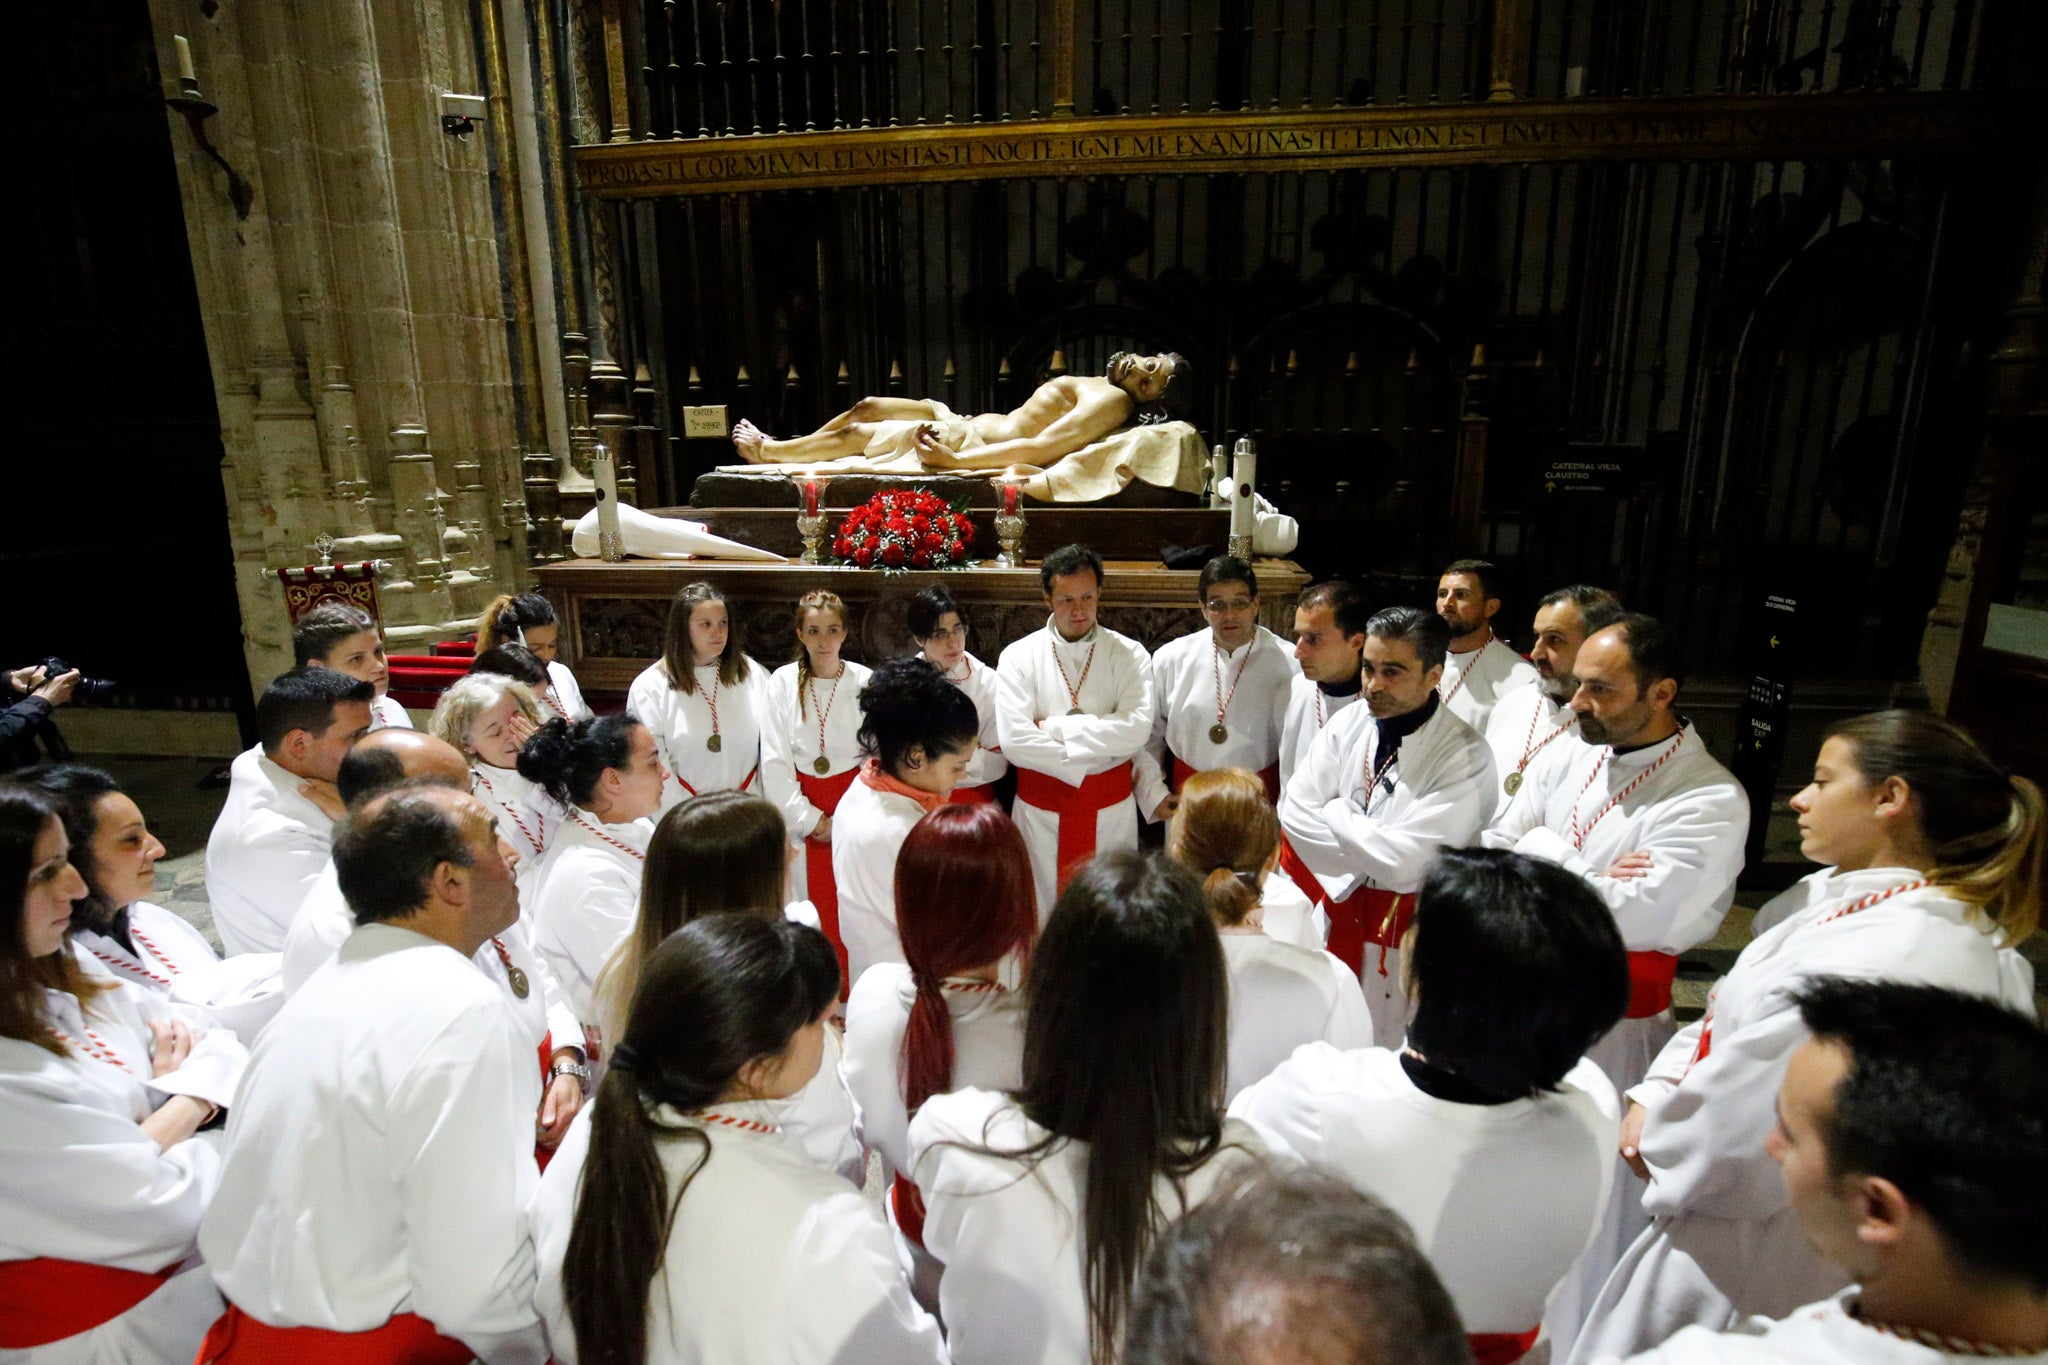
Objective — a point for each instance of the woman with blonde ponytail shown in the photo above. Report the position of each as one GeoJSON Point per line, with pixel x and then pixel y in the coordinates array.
{"type": "Point", "coordinates": [1281, 995]}
{"type": "Point", "coordinates": [529, 619]}
{"type": "Point", "coordinates": [1932, 864]}
{"type": "Point", "coordinates": [674, 1225]}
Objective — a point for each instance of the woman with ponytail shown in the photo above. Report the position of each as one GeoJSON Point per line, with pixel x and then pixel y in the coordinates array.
{"type": "Point", "coordinates": [1933, 858]}
{"type": "Point", "coordinates": [810, 747]}
{"type": "Point", "coordinates": [1042, 1202]}
{"type": "Point", "coordinates": [674, 1226]}
{"type": "Point", "coordinates": [528, 619]}
{"type": "Point", "coordinates": [1281, 995]}
{"type": "Point", "coordinates": [942, 1020]}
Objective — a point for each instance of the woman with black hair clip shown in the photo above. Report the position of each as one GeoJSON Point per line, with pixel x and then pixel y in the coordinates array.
{"type": "Point", "coordinates": [1489, 1132]}
{"type": "Point", "coordinates": [102, 1088]}
{"type": "Point", "coordinates": [1042, 1202]}
{"type": "Point", "coordinates": [607, 778]}
{"type": "Point", "coordinates": [920, 731]}
{"type": "Point", "coordinates": [1933, 861]}
{"type": "Point", "coordinates": [675, 1226]}
{"type": "Point", "coordinates": [529, 619]}
{"type": "Point", "coordinates": [940, 629]}
{"type": "Point", "coordinates": [703, 699]}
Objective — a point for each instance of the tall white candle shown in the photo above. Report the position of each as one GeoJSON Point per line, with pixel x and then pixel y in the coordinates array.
{"type": "Point", "coordinates": [1219, 469]}
{"type": "Point", "coordinates": [1244, 474]}
{"type": "Point", "coordinates": [604, 473]}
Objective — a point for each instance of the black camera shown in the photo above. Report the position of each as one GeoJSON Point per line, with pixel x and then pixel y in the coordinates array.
{"type": "Point", "coordinates": [88, 692]}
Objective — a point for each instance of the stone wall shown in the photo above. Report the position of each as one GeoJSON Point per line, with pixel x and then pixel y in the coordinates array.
{"type": "Point", "coordinates": [368, 303]}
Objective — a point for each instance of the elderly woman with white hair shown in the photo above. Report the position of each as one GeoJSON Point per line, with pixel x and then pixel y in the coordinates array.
{"type": "Point", "coordinates": [489, 717]}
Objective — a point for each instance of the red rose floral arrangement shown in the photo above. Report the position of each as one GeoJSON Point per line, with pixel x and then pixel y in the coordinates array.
{"type": "Point", "coordinates": [901, 529]}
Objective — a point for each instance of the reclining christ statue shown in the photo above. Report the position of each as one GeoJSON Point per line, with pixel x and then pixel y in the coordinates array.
{"type": "Point", "coordinates": [1062, 416]}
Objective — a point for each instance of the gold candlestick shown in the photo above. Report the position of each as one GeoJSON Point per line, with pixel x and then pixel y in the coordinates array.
{"type": "Point", "coordinates": [811, 526]}
{"type": "Point", "coordinates": [1010, 541]}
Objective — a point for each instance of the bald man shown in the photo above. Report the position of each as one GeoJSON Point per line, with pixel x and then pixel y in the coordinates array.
{"type": "Point", "coordinates": [386, 759]}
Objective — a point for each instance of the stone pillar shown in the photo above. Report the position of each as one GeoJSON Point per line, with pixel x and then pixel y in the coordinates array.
{"type": "Point", "coordinates": [544, 510]}
{"type": "Point", "coordinates": [611, 418]}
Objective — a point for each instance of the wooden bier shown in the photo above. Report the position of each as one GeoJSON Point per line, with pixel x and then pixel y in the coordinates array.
{"type": "Point", "coordinates": [614, 614]}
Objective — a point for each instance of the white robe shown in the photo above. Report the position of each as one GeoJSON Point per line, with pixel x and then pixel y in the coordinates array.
{"type": "Point", "coordinates": [681, 724]}
{"type": "Point", "coordinates": [81, 1181]}
{"type": "Point", "coordinates": [789, 747]}
{"type": "Point", "coordinates": [527, 817]}
{"type": "Point", "coordinates": [1185, 692]}
{"type": "Point", "coordinates": [1821, 1333]}
{"type": "Point", "coordinates": [386, 713]}
{"type": "Point", "coordinates": [1725, 1243]}
{"type": "Point", "coordinates": [587, 901]}
{"type": "Point", "coordinates": [1442, 785]}
{"type": "Point", "coordinates": [167, 955]}
{"type": "Point", "coordinates": [1502, 1197]}
{"type": "Point", "coordinates": [1474, 682]}
{"type": "Point", "coordinates": [769, 1262]}
{"type": "Point", "coordinates": [1032, 701]}
{"type": "Point", "coordinates": [1309, 709]}
{"type": "Point", "coordinates": [1526, 728]}
{"type": "Point", "coordinates": [265, 852]}
{"type": "Point", "coordinates": [867, 834]}
{"type": "Point", "coordinates": [978, 681]}
{"type": "Point", "coordinates": [1009, 1231]}
{"type": "Point", "coordinates": [381, 1155]}
{"type": "Point", "coordinates": [1283, 997]}
{"type": "Point", "coordinates": [988, 1054]}
{"type": "Point", "coordinates": [120, 1021]}
{"type": "Point", "coordinates": [562, 696]}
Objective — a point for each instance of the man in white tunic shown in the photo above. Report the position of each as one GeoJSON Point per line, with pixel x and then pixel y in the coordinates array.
{"type": "Point", "coordinates": [380, 1159]}
{"type": "Point", "coordinates": [1906, 1159]}
{"type": "Point", "coordinates": [1482, 667]}
{"type": "Point", "coordinates": [1073, 707]}
{"type": "Point", "coordinates": [1219, 695]}
{"type": "Point", "coordinates": [1530, 721]}
{"type": "Point", "coordinates": [272, 839]}
{"type": "Point", "coordinates": [1329, 649]}
{"type": "Point", "coordinates": [1386, 786]}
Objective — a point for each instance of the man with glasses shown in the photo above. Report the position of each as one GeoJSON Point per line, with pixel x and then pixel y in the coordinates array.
{"type": "Point", "coordinates": [1220, 694]}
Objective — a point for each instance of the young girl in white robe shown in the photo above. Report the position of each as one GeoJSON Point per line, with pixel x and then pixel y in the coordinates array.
{"type": "Point", "coordinates": [723, 854]}
{"type": "Point", "coordinates": [1489, 1132]}
{"type": "Point", "coordinates": [102, 1088]}
{"type": "Point", "coordinates": [489, 718]}
{"type": "Point", "coordinates": [1933, 859]}
{"type": "Point", "coordinates": [528, 620]}
{"type": "Point", "coordinates": [343, 637]}
{"type": "Point", "coordinates": [139, 942]}
{"type": "Point", "coordinates": [936, 622]}
{"type": "Point", "coordinates": [920, 731]}
{"type": "Point", "coordinates": [810, 748]}
{"type": "Point", "coordinates": [1041, 1202]}
{"type": "Point", "coordinates": [703, 700]}
{"type": "Point", "coordinates": [675, 1226]}
{"type": "Point", "coordinates": [1281, 995]}
{"type": "Point", "coordinates": [607, 777]}
{"type": "Point", "coordinates": [943, 1019]}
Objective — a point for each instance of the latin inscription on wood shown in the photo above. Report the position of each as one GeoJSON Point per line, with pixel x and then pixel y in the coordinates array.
{"type": "Point", "coordinates": [1711, 127]}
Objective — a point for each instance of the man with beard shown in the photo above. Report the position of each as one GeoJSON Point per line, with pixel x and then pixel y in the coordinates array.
{"type": "Point", "coordinates": [1481, 668]}
{"type": "Point", "coordinates": [1656, 826]}
{"type": "Point", "coordinates": [1532, 722]}
{"type": "Point", "coordinates": [1385, 787]}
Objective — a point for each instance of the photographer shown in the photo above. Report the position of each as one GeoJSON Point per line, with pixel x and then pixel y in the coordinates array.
{"type": "Point", "coordinates": [22, 719]}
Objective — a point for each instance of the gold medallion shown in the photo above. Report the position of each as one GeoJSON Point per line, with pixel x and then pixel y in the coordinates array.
{"type": "Point", "coordinates": [714, 744]}
{"type": "Point", "coordinates": [1074, 711]}
{"type": "Point", "coordinates": [518, 980]}
{"type": "Point", "coordinates": [1218, 732]}
{"type": "Point", "coordinates": [823, 765]}
{"type": "Point", "coordinates": [1513, 783]}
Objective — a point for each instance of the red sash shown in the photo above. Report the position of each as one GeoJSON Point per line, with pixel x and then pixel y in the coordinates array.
{"type": "Point", "coordinates": [1500, 1348]}
{"type": "Point", "coordinates": [1076, 807]}
{"type": "Point", "coordinates": [745, 782]}
{"type": "Point", "coordinates": [44, 1299]}
{"type": "Point", "coordinates": [1270, 775]}
{"type": "Point", "coordinates": [824, 793]}
{"type": "Point", "coordinates": [973, 796]}
{"type": "Point", "coordinates": [1366, 916]}
{"type": "Point", "coordinates": [1649, 983]}
{"type": "Point", "coordinates": [543, 1155]}
{"type": "Point", "coordinates": [407, 1339]}
{"type": "Point", "coordinates": [908, 1202]}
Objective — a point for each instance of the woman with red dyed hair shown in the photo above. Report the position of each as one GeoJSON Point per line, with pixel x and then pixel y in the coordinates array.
{"type": "Point", "coordinates": [945, 1021]}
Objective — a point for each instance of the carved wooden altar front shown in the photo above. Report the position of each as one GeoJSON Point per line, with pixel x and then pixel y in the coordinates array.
{"type": "Point", "coordinates": [614, 614]}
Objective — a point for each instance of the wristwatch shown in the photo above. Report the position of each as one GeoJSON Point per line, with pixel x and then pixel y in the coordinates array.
{"type": "Point", "coordinates": [580, 1070]}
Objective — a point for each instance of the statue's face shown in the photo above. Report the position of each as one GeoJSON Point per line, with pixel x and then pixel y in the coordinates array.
{"type": "Point", "coordinates": [1143, 377]}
